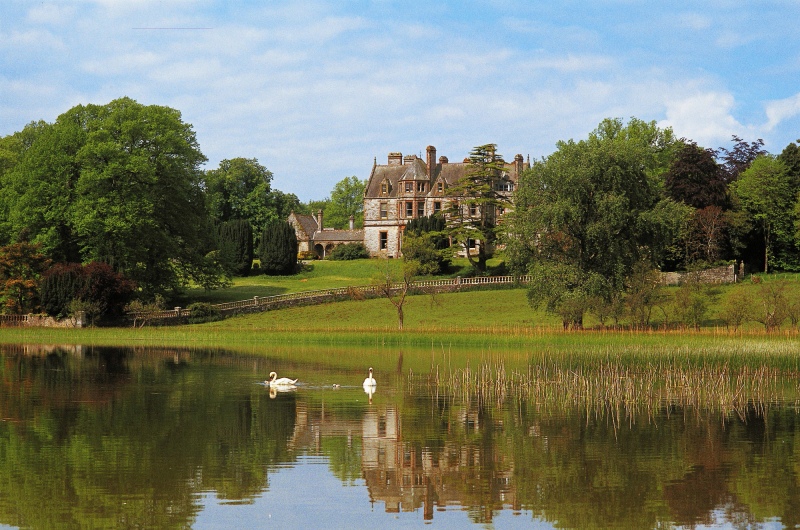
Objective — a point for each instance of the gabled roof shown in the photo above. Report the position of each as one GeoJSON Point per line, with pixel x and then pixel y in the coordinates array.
{"type": "Point", "coordinates": [306, 222]}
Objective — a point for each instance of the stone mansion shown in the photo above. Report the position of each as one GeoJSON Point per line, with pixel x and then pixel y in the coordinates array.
{"type": "Point", "coordinates": [404, 188]}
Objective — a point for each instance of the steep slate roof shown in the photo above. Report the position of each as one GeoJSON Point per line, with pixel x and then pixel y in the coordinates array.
{"type": "Point", "coordinates": [306, 222]}
{"type": "Point", "coordinates": [355, 236]}
{"type": "Point", "coordinates": [449, 172]}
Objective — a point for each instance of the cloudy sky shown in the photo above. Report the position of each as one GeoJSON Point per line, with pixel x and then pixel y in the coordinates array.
{"type": "Point", "coordinates": [316, 90]}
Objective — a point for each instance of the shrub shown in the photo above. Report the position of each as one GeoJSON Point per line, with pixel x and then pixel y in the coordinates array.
{"type": "Point", "coordinates": [349, 251]}
{"type": "Point", "coordinates": [96, 285]}
{"type": "Point", "coordinates": [203, 312]}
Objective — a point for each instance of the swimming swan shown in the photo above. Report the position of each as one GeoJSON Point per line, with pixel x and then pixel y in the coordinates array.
{"type": "Point", "coordinates": [282, 382]}
{"type": "Point", "coordinates": [370, 381]}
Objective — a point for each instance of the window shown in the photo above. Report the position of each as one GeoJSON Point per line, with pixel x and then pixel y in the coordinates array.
{"type": "Point", "coordinates": [409, 187]}
{"type": "Point", "coordinates": [473, 210]}
{"type": "Point", "coordinates": [437, 206]}
{"type": "Point", "coordinates": [384, 240]}
{"type": "Point", "coordinates": [421, 209]}
{"type": "Point", "coordinates": [384, 188]}
{"type": "Point", "coordinates": [439, 187]}
{"type": "Point", "coordinates": [409, 209]}
{"type": "Point", "coordinates": [503, 185]}
{"type": "Point", "coordinates": [384, 211]}
{"type": "Point", "coordinates": [420, 187]}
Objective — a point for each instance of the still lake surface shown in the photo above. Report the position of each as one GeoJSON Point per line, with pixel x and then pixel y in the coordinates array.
{"type": "Point", "coordinates": [164, 438]}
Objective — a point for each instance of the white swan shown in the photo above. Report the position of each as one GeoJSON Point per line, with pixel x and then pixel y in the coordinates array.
{"type": "Point", "coordinates": [370, 381]}
{"type": "Point", "coordinates": [282, 382]}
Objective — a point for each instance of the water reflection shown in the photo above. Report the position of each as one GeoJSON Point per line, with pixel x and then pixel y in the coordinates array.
{"type": "Point", "coordinates": [142, 437]}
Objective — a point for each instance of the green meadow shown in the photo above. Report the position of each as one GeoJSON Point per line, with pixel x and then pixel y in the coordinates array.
{"type": "Point", "coordinates": [483, 322]}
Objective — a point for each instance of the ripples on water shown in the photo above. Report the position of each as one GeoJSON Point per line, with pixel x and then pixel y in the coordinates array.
{"type": "Point", "coordinates": [163, 438]}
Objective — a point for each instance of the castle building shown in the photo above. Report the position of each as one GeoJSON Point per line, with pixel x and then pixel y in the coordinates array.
{"type": "Point", "coordinates": [407, 187]}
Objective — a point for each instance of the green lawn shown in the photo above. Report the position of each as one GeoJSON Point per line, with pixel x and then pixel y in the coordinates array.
{"type": "Point", "coordinates": [314, 275]}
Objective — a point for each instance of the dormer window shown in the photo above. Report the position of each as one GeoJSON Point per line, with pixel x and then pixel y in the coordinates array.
{"type": "Point", "coordinates": [385, 187]}
{"type": "Point", "coordinates": [409, 187]}
{"type": "Point", "coordinates": [440, 187]}
{"type": "Point", "coordinates": [420, 187]}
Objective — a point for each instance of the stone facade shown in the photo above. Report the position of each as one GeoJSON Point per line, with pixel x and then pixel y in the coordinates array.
{"type": "Point", "coordinates": [312, 236]}
{"type": "Point", "coordinates": [407, 187]}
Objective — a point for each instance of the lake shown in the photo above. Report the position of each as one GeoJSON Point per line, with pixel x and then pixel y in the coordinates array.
{"type": "Point", "coordinates": [95, 437]}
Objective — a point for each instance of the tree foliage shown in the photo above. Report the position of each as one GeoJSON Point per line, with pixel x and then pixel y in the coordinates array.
{"type": "Point", "coordinates": [95, 286]}
{"type": "Point", "coordinates": [474, 203]}
{"type": "Point", "coordinates": [236, 246]}
{"type": "Point", "coordinates": [116, 183]}
{"type": "Point", "coordinates": [764, 191]}
{"type": "Point", "coordinates": [695, 178]}
{"type": "Point", "coordinates": [347, 199]}
{"type": "Point", "coordinates": [21, 267]}
{"type": "Point", "coordinates": [240, 189]}
{"type": "Point", "coordinates": [278, 248]}
{"type": "Point", "coordinates": [425, 242]}
{"type": "Point", "coordinates": [587, 214]}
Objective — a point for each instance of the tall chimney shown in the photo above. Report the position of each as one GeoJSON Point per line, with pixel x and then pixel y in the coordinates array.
{"type": "Point", "coordinates": [319, 220]}
{"type": "Point", "coordinates": [520, 163]}
{"type": "Point", "coordinates": [352, 222]}
{"type": "Point", "coordinates": [430, 160]}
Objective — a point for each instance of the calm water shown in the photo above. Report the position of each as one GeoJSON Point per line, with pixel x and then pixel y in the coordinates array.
{"type": "Point", "coordinates": [154, 438]}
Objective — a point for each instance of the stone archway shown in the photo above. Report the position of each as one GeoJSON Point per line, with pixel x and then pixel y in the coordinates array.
{"type": "Point", "coordinates": [319, 250]}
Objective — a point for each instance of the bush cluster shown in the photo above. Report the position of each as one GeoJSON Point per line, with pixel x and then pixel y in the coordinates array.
{"type": "Point", "coordinates": [349, 251]}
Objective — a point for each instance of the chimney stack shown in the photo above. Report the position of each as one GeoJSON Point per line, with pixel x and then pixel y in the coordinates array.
{"type": "Point", "coordinates": [430, 160]}
{"type": "Point", "coordinates": [319, 220]}
{"type": "Point", "coordinates": [395, 159]}
{"type": "Point", "coordinates": [352, 222]}
{"type": "Point", "coordinates": [520, 163]}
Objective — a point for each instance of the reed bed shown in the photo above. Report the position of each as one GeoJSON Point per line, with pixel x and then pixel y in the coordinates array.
{"type": "Point", "coordinates": [617, 389]}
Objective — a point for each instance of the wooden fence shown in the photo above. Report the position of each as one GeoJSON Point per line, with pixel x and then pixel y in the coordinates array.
{"type": "Point", "coordinates": [266, 303]}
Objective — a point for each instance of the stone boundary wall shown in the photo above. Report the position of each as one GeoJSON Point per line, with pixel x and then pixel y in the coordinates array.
{"type": "Point", "coordinates": [42, 321]}
{"type": "Point", "coordinates": [724, 274]}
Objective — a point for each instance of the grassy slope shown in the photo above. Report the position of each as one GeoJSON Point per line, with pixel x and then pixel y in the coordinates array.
{"type": "Point", "coordinates": [483, 319]}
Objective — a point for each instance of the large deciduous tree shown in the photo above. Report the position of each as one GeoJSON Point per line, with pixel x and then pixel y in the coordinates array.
{"type": "Point", "coordinates": [240, 189]}
{"type": "Point", "coordinates": [585, 216]}
{"type": "Point", "coordinates": [695, 178]}
{"type": "Point", "coordinates": [347, 199]}
{"type": "Point", "coordinates": [116, 183]}
{"type": "Point", "coordinates": [765, 193]}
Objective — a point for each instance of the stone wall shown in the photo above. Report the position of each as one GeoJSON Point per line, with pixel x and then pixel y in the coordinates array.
{"type": "Point", "coordinates": [724, 274]}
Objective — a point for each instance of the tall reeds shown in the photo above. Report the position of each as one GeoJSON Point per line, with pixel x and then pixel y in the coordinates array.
{"type": "Point", "coordinates": [614, 388]}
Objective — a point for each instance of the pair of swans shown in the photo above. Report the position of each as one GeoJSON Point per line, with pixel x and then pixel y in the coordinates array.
{"type": "Point", "coordinates": [285, 382]}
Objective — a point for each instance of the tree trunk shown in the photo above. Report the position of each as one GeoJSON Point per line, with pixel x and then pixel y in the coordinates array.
{"type": "Point", "coordinates": [400, 317]}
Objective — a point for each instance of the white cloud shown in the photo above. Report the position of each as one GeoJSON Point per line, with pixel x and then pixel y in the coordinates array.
{"type": "Point", "coordinates": [781, 110]}
{"type": "Point", "coordinates": [703, 116]}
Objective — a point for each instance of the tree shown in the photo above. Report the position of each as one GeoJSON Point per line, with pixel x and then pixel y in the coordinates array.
{"type": "Point", "coordinates": [347, 199]}
{"type": "Point", "coordinates": [21, 267]}
{"type": "Point", "coordinates": [236, 246]}
{"type": "Point", "coordinates": [591, 211]}
{"type": "Point", "coordinates": [474, 203]}
{"type": "Point", "coordinates": [395, 283]}
{"type": "Point", "coordinates": [119, 184]}
{"type": "Point", "coordinates": [764, 193]}
{"type": "Point", "coordinates": [240, 189]}
{"type": "Point", "coordinates": [738, 159]}
{"type": "Point", "coordinates": [278, 248]}
{"type": "Point", "coordinates": [695, 178]}
{"type": "Point", "coordinates": [425, 242]}
{"type": "Point", "coordinates": [94, 288]}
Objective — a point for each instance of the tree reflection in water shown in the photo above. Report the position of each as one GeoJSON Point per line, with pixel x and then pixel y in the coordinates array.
{"type": "Point", "coordinates": [139, 437]}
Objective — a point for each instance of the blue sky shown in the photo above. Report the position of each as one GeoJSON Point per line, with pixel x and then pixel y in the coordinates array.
{"type": "Point", "coordinates": [316, 90]}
